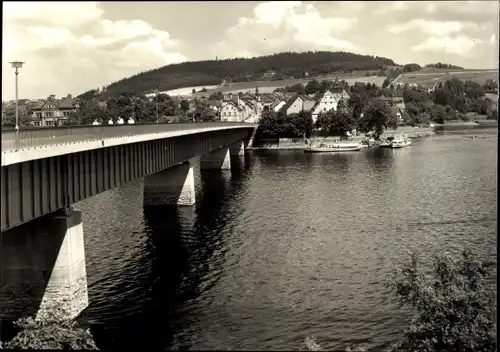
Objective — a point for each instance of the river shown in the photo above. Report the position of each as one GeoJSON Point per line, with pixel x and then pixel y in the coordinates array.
{"type": "Point", "coordinates": [286, 247]}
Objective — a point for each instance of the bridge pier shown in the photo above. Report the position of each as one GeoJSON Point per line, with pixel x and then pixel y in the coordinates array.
{"type": "Point", "coordinates": [218, 159]}
{"type": "Point", "coordinates": [237, 149]}
{"type": "Point", "coordinates": [172, 186]}
{"type": "Point", "coordinates": [42, 268]}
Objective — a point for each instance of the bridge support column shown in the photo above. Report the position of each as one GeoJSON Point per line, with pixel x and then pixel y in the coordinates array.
{"type": "Point", "coordinates": [237, 149]}
{"type": "Point", "coordinates": [172, 186]}
{"type": "Point", "coordinates": [42, 266]}
{"type": "Point", "coordinates": [218, 159]}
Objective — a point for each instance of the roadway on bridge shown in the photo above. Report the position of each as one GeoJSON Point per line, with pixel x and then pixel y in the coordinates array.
{"type": "Point", "coordinates": [43, 143]}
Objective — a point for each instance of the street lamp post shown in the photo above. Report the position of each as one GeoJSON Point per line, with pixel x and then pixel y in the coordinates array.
{"type": "Point", "coordinates": [17, 65]}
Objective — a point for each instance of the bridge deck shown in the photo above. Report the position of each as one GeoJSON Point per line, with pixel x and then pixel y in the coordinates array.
{"type": "Point", "coordinates": [32, 144]}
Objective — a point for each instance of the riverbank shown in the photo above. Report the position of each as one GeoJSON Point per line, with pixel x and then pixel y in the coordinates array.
{"type": "Point", "coordinates": [298, 143]}
{"type": "Point", "coordinates": [478, 122]}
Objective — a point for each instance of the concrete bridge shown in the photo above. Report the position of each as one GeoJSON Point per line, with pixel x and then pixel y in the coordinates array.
{"type": "Point", "coordinates": [45, 171]}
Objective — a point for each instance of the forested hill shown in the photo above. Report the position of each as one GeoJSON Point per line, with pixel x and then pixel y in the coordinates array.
{"type": "Point", "coordinates": [212, 72]}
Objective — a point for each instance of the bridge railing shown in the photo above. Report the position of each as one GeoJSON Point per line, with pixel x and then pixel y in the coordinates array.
{"type": "Point", "coordinates": [38, 137]}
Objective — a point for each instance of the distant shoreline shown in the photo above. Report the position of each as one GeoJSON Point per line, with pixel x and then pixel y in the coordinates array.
{"type": "Point", "coordinates": [298, 143]}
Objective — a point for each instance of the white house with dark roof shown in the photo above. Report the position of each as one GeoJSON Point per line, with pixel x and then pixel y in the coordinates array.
{"type": "Point", "coordinates": [229, 111]}
{"type": "Point", "coordinates": [328, 101]}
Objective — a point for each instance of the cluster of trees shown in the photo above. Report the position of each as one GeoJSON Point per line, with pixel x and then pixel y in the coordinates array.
{"type": "Point", "coordinates": [211, 72]}
{"type": "Point", "coordinates": [445, 66]}
{"type": "Point", "coordinates": [141, 108]}
{"type": "Point", "coordinates": [450, 101]}
{"type": "Point", "coordinates": [280, 125]}
{"type": "Point", "coordinates": [9, 118]}
{"type": "Point", "coordinates": [392, 74]}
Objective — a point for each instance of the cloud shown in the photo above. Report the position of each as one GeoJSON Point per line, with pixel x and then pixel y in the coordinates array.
{"type": "Point", "coordinates": [287, 26]}
{"type": "Point", "coordinates": [420, 32]}
{"type": "Point", "coordinates": [65, 14]}
{"type": "Point", "coordinates": [459, 45]}
{"type": "Point", "coordinates": [73, 47]}
{"type": "Point", "coordinates": [431, 27]}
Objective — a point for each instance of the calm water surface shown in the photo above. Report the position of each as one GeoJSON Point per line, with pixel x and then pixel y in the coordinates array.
{"type": "Point", "coordinates": [286, 246]}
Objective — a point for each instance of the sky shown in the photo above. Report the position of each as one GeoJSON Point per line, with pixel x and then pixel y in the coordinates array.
{"type": "Point", "coordinates": [71, 47]}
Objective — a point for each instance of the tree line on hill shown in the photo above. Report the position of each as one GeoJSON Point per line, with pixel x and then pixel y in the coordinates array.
{"type": "Point", "coordinates": [213, 72]}
{"type": "Point", "coordinates": [444, 66]}
{"type": "Point", "coordinates": [452, 100]}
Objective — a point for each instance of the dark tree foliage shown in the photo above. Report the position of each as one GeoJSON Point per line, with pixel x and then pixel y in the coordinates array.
{"type": "Point", "coordinates": [204, 113]}
{"type": "Point", "coordinates": [313, 87]}
{"type": "Point", "coordinates": [460, 95]}
{"type": "Point", "coordinates": [9, 118]}
{"type": "Point", "coordinates": [335, 123]}
{"type": "Point", "coordinates": [455, 310]}
{"type": "Point", "coordinates": [301, 124]}
{"type": "Point", "coordinates": [50, 332]}
{"type": "Point", "coordinates": [218, 95]}
{"type": "Point", "coordinates": [446, 66]}
{"type": "Point", "coordinates": [268, 125]}
{"type": "Point", "coordinates": [160, 107]}
{"type": "Point", "coordinates": [279, 125]}
{"type": "Point", "coordinates": [411, 68]}
{"type": "Point", "coordinates": [377, 117]}
{"type": "Point", "coordinates": [89, 112]}
{"type": "Point", "coordinates": [211, 72]}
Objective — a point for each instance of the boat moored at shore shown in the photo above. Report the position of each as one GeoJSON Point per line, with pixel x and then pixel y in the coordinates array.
{"type": "Point", "coordinates": [401, 142]}
{"type": "Point", "coordinates": [334, 148]}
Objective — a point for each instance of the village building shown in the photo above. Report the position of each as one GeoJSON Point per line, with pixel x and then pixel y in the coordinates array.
{"type": "Point", "coordinates": [52, 111]}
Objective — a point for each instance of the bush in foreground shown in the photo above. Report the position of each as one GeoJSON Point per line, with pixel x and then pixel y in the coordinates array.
{"type": "Point", "coordinates": [50, 333]}
{"type": "Point", "coordinates": [454, 310]}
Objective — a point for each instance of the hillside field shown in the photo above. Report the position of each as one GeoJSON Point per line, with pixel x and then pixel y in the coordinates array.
{"type": "Point", "coordinates": [428, 78]}
{"type": "Point", "coordinates": [270, 86]}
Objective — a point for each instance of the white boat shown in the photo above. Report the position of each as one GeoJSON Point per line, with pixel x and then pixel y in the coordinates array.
{"type": "Point", "coordinates": [334, 148]}
{"type": "Point", "coordinates": [401, 142]}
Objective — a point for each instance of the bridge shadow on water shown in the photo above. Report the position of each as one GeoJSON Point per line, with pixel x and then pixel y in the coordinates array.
{"type": "Point", "coordinates": [180, 244]}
